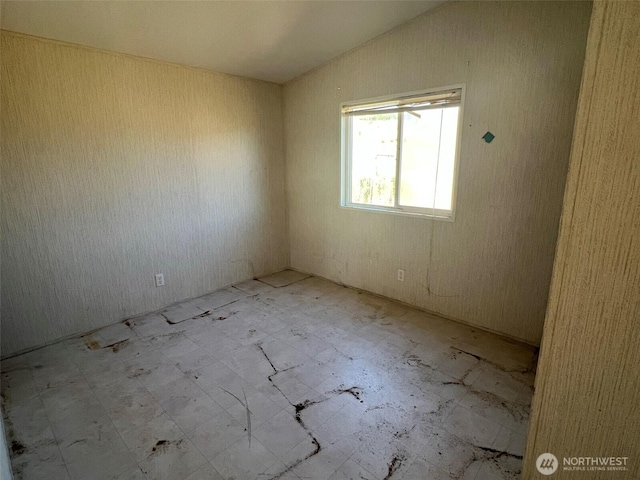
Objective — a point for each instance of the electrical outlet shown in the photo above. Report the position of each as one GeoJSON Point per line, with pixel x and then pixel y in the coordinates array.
{"type": "Point", "coordinates": [160, 280]}
{"type": "Point", "coordinates": [400, 275]}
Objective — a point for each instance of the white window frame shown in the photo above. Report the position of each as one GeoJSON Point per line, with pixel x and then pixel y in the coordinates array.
{"type": "Point", "coordinates": [346, 147]}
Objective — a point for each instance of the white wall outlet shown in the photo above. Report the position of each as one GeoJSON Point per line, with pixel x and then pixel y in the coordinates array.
{"type": "Point", "coordinates": [400, 275]}
{"type": "Point", "coordinates": [160, 280]}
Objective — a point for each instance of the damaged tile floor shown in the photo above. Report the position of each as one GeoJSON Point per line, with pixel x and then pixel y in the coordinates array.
{"type": "Point", "coordinates": [289, 377]}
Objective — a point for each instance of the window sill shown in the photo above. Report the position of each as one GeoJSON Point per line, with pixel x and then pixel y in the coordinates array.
{"type": "Point", "coordinates": [402, 213]}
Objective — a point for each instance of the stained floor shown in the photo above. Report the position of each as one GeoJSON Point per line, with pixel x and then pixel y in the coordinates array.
{"type": "Point", "coordinates": [290, 377]}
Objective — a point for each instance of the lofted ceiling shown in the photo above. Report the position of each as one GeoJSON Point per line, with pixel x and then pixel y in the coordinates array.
{"type": "Point", "coordinates": [268, 40]}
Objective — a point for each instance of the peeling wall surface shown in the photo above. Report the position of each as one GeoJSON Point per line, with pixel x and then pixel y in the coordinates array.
{"type": "Point", "coordinates": [522, 64]}
{"type": "Point", "coordinates": [587, 390]}
{"type": "Point", "coordinates": [116, 168]}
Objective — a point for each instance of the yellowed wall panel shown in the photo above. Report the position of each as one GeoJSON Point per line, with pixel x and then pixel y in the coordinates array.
{"type": "Point", "coordinates": [522, 64]}
{"type": "Point", "coordinates": [115, 168]}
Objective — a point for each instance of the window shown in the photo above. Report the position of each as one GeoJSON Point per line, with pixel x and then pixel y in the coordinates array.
{"type": "Point", "coordinates": [400, 154]}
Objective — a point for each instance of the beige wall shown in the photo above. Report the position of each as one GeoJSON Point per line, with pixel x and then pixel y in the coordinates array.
{"type": "Point", "coordinates": [522, 65]}
{"type": "Point", "coordinates": [115, 168]}
{"type": "Point", "coordinates": [5, 463]}
{"type": "Point", "coordinates": [587, 389]}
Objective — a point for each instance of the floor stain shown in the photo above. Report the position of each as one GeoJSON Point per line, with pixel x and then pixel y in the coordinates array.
{"type": "Point", "coordinates": [355, 392]}
{"type": "Point", "coordinates": [394, 465]}
{"type": "Point", "coordinates": [415, 361]}
{"type": "Point", "coordinates": [116, 347]}
{"type": "Point", "coordinates": [162, 445]}
{"type": "Point", "coordinates": [139, 372]}
{"type": "Point", "coordinates": [403, 433]}
{"type": "Point", "coordinates": [167, 336]}
{"type": "Point", "coordinates": [5, 399]}
{"type": "Point", "coordinates": [17, 448]}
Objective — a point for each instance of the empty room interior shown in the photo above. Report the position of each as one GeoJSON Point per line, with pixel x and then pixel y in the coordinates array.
{"type": "Point", "coordinates": [320, 240]}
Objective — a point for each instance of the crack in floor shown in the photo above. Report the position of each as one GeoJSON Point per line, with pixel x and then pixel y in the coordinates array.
{"type": "Point", "coordinates": [513, 408]}
{"type": "Point", "coordinates": [245, 404]}
{"type": "Point", "coordinates": [397, 461]}
{"type": "Point", "coordinates": [485, 454]}
{"type": "Point", "coordinates": [518, 411]}
{"type": "Point", "coordinates": [528, 369]}
{"type": "Point", "coordinates": [299, 408]}
{"type": "Point", "coordinates": [498, 453]}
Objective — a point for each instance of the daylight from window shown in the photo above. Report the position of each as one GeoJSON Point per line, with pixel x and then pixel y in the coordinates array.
{"type": "Point", "coordinates": [373, 161]}
{"type": "Point", "coordinates": [428, 158]}
{"type": "Point", "coordinates": [403, 160]}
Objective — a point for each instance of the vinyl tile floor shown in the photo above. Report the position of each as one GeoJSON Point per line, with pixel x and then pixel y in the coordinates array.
{"type": "Point", "coordinates": [286, 377]}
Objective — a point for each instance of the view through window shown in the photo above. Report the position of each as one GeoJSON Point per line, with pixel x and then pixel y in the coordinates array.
{"type": "Point", "coordinates": [400, 154]}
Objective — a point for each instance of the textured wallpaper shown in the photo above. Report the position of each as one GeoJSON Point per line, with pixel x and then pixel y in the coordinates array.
{"type": "Point", "coordinates": [522, 64]}
{"type": "Point", "coordinates": [115, 168]}
{"type": "Point", "coordinates": [587, 388]}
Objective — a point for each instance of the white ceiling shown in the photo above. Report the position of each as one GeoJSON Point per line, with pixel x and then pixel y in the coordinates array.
{"type": "Point", "coordinates": [268, 40]}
